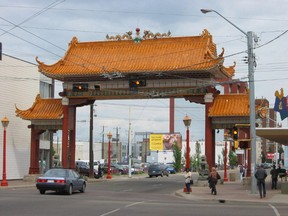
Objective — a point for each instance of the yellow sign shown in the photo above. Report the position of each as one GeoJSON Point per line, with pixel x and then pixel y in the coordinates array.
{"type": "Point", "coordinates": [160, 142]}
{"type": "Point", "coordinates": [156, 142]}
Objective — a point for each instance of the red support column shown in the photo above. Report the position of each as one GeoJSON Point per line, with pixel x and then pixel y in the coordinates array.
{"type": "Point", "coordinates": [248, 156]}
{"type": "Point", "coordinates": [187, 149]}
{"type": "Point", "coordinates": [73, 140]}
{"type": "Point", "coordinates": [4, 182]}
{"type": "Point", "coordinates": [65, 135]}
{"type": "Point", "coordinates": [225, 161]}
{"type": "Point", "coordinates": [34, 151]}
{"type": "Point", "coordinates": [208, 131]}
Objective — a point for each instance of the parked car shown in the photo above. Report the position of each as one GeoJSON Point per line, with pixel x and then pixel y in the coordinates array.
{"type": "Point", "coordinates": [84, 169]}
{"type": "Point", "coordinates": [157, 170]}
{"type": "Point", "coordinates": [137, 168]}
{"type": "Point", "coordinates": [61, 180]}
{"type": "Point", "coordinates": [170, 168]}
{"type": "Point", "coordinates": [121, 169]}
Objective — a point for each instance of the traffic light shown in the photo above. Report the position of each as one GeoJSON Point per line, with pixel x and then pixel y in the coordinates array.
{"type": "Point", "coordinates": [137, 83]}
{"type": "Point", "coordinates": [80, 87]}
{"type": "Point", "coordinates": [235, 133]}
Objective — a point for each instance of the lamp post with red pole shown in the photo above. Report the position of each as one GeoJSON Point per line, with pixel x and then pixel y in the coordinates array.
{"type": "Point", "coordinates": [225, 179]}
{"type": "Point", "coordinates": [5, 123]}
{"type": "Point", "coordinates": [109, 135]}
{"type": "Point", "coordinates": [187, 123]}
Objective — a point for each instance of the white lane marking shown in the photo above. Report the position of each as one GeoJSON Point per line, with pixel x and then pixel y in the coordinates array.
{"type": "Point", "coordinates": [132, 204]}
{"type": "Point", "coordinates": [274, 209]}
{"type": "Point", "coordinates": [110, 212]}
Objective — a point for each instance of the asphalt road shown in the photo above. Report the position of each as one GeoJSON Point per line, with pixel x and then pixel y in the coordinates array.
{"type": "Point", "coordinates": [135, 196]}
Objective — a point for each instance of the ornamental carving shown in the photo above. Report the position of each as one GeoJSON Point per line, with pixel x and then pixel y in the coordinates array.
{"type": "Point", "coordinates": [146, 35]}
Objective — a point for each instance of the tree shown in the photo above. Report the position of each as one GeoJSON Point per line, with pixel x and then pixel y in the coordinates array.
{"type": "Point", "coordinates": [177, 157]}
{"type": "Point", "coordinates": [196, 158]}
{"type": "Point", "coordinates": [233, 159]}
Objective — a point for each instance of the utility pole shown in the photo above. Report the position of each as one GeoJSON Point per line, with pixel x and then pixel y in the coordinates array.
{"type": "Point", "coordinates": [251, 61]}
{"type": "Point", "coordinates": [102, 147]}
{"type": "Point", "coordinates": [91, 153]}
{"type": "Point", "coordinates": [129, 146]}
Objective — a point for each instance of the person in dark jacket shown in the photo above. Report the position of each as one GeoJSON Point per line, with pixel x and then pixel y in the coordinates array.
{"type": "Point", "coordinates": [261, 175]}
{"type": "Point", "coordinates": [274, 177]}
{"type": "Point", "coordinates": [213, 179]}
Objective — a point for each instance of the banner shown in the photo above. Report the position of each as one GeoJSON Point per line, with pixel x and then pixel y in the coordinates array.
{"type": "Point", "coordinates": [281, 104]}
{"type": "Point", "coordinates": [160, 142]}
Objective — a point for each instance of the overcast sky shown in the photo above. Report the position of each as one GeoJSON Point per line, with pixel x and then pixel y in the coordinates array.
{"type": "Point", "coordinates": [30, 28]}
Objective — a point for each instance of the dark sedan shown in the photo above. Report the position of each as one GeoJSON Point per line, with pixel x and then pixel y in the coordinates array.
{"type": "Point", "coordinates": [61, 180]}
{"type": "Point", "coordinates": [84, 169]}
{"type": "Point", "coordinates": [157, 170]}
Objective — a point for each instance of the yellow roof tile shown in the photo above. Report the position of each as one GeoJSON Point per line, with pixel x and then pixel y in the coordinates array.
{"type": "Point", "coordinates": [230, 105]}
{"type": "Point", "coordinates": [46, 109]}
{"type": "Point", "coordinates": [170, 54]}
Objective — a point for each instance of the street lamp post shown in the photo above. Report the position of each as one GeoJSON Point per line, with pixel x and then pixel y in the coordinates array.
{"type": "Point", "coordinates": [5, 123]}
{"type": "Point", "coordinates": [109, 135]}
{"type": "Point", "coordinates": [225, 179]}
{"type": "Point", "coordinates": [249, 36]}
{"type": "Point", "coordinates": [187, 123]}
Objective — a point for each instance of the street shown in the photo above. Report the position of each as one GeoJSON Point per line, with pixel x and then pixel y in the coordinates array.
{"type": "Point", "coordinates": [135, 196]}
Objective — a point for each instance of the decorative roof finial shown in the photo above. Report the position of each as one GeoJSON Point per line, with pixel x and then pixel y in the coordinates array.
{"type": "Point", "coordinates": [137, 38]}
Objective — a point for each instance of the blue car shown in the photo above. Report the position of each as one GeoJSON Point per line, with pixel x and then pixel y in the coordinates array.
{"type": "Point", "coordinates": [171, 169]}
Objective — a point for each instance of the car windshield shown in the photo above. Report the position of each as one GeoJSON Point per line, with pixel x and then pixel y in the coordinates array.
{"type": "Point", "coordinates": [55, 172]}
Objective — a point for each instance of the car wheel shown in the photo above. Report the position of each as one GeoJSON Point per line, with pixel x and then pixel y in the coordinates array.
{"type": "Point", "coordinates": [42, 191]}
{"type": "Point", "coordinates": [70, 190]}
{"type": "Point", "coordinates": [150, 176]}
{"type": "Point", "coordinates": [83, 188]}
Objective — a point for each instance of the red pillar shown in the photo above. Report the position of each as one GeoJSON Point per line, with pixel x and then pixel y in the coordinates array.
{"type": "Point", "coordinates": [225, 162]}
{"type": "Point", "coordinates": [65, 135]}
{"type": "Point", "coordinates": [34, 151]}
{"type": "Point", "coordinates": [4, 182]}
{"type": "Point", "coordinates": [187, 149]}
{"type": "Point", "coordinates": [73, 139]}
{"type": "Point", "coordinates": [208, 132]}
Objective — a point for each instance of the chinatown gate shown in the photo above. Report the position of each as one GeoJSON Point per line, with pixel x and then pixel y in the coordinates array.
{"type": "Point", "coordinates": [144, 66]}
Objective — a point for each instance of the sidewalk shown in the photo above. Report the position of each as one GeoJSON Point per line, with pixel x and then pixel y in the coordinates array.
{"type": "Point", "coordinates": [235, 191]}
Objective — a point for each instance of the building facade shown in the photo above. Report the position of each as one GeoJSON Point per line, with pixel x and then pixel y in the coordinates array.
{"type": "Point", "coordinates": [21, 82]}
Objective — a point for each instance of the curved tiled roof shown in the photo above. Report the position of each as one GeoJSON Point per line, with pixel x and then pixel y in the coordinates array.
{"type": "Point", "coordinates": [230, 105]}
{"type": "Point", "coordinates": [170, 54]}
{"type": "Point", "coordinates": [42, 109]}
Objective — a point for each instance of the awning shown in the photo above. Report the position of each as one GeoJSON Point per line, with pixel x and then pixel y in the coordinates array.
{"type": "Point", "coordinates": [279, 135]}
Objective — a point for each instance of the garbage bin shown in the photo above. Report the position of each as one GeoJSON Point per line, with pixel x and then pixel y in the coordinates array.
{"type": "Point", "coordinates": [232, 176]}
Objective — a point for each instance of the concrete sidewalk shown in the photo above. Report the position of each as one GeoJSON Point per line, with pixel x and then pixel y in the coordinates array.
{"type": "Point", "coordinates": [235, 191]}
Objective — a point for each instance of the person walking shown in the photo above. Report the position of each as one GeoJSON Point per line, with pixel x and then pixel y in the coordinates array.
{"type": "Point", "coordinates": [261, 175]}
{"type": "Point", "coordinates": [188, 176]}
{"type": "Point", "coordinates": [274, 177]}
{"type": "Point", "coordinates": [242, 172]}
{"type": "Point", "coordinates": [213, 179]}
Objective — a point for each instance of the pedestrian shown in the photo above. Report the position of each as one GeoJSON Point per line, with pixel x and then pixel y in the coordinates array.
{"type": "Point", "coordinates": [242, 172]}
{"type": "Point", "coordinates": [261, 175]}
{"type": "Point", "coordinates": [274, 177]}
{"type": "Point", "coordinates": [188, 176]}
{"type": "Point", "coordinates": [213, 179]}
